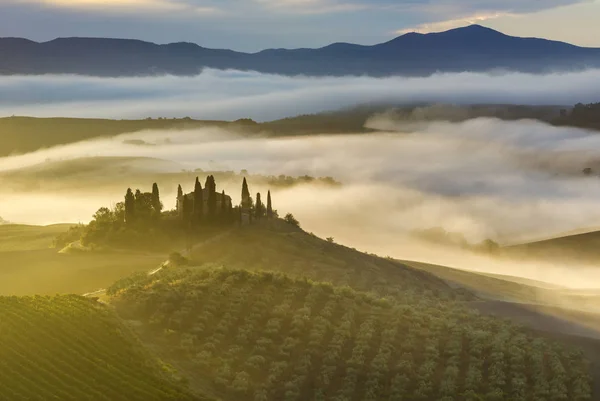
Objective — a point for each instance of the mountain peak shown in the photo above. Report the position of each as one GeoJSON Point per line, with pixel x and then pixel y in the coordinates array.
{"type": "Point", "coordinates": [469, 31]}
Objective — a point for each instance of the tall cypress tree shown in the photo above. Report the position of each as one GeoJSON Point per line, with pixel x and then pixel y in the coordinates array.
{"type": "Point", "coordinates": [258, 208]}
{"type": "Point", "coordinates": [129, 207]}
{"type": "Point", "coordinates": [245, 195]}
{"type": "Point", "coordinates": [269, 206]}
{"type": "Point", "coordinates": [212, 197]}
{"type": "Point", "coordinates": [156, 203]}
{"type": "Point", "coordinates": [198, 202]}
{"type": "Point", "coordinates": [187, 209]}
{"type": "Point", "coordinates": [179, 197]}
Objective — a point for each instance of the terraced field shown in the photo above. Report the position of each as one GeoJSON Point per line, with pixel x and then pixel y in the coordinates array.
{"type": "Point", "coordinates": [265, 336]}
{"type": "Point", "coordinates": [72, 348]}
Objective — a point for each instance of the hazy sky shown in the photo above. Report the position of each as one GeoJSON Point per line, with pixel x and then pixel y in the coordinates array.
{"type": "Point", "coordinates": [252, 25]}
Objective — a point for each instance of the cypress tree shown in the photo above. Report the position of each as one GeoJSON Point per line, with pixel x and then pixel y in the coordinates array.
{"type": "Point", "coordinates": [129, 207]}
{"type": "Point", "coordinates": [269, 206]}
{"type": "Point", "coordinates": [223, 205]}
{"type": "Point", "coordinates": [258, 209]}
{"type": "Point", "coordinates": [156, 203]}
{"type": "Point", "coordinates": [198, 202]}
{"type": "Point", "coordinates": [245, 195]}
{"type": "Point", "coordinates": [179, 196]}
{"type": "Point", "coordinates": [187, 209]}
{"type": "Point", "coordinates": [212, 197]}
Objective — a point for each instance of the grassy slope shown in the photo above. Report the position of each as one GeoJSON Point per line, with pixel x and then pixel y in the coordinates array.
{"type": "Point", "coordinates": [17, 237]}
{"type": "Point", "coordinates": [71, 348]}
{"type": "Point", "coordinates": [583, 247]}
{"type": "Point", "coordinates": [29, 266]}
{"type": "Point", "coordinates": [264, 336]}
{"type": "Point", "coordinates": [281, 247]}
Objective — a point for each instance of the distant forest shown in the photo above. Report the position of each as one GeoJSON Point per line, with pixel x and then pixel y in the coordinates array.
{"type": "Point", "coordinates": [582, 115]}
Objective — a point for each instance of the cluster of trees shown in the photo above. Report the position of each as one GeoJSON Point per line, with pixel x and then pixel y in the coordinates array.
{"type": "Point", "coordinates": [440, 236]}
{"type": "Point", "coordinates": [140, 221]}
{"type": "Point", "coordinates": [250, 209]}
{"type": "Point", "coordinates": [141, 206]}
{"type": "Point", "coordinates": [242, 330]}
{"type": "Point", "coordinates": [204, 206]}
{"type": "Point", "coordinates": [581, 115]}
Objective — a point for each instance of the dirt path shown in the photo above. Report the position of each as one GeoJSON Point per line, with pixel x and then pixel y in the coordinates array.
{"type": "Point", "coordinates": [189, 251]}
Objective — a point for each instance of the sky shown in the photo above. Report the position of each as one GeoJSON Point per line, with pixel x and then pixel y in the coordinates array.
{"type": "Point", "coordinates": [253, 25]}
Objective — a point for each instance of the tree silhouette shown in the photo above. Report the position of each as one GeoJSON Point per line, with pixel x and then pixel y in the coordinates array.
{"type": "Point", "coordinates": [156, 203]}
{"type": "Point", "coordinates": [246, 202]}
{"type": "Point", "coordinates": [269, 206]}
{"type": "Point", "coordinates": [258, 208]}
{"type": "Point", "coordinates": [223, 206]}
{"type": "Point", "coordinates": [129, 207]}
{"type": "Point", "coordinates": [179, 196]}
{"type": "Point", "coordinates": [198, 202]}
{"type": "Point", "coordinates": [211, 203]}
{"type": "Point", "coordinates": [187, 209]}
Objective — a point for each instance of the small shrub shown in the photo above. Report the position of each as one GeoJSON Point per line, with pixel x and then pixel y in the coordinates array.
{"type": "Point", "coordinates": [177, 259]}
{"type": "Point", "coordinates": [290, 219]}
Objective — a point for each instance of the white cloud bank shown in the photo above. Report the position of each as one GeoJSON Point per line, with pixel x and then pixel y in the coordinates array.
{"type": "Point", "coordinates": [232, 94]}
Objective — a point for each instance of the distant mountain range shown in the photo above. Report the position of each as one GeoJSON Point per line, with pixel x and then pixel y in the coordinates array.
{"type": "Point", "coordinates": [473, 48]}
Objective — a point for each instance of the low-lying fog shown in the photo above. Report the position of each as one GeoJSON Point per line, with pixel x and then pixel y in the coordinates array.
{"type": "Point", "coordinates": [484, 178]}
{"type": "Point", "coordinates": [231, 95]}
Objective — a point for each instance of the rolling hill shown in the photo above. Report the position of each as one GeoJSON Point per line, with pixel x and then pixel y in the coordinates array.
{"type": "Point", "coordinates": [278, 246]}
{"type": "Point", "coordinates": [583, 247]}
{"type": "Point", "coordinates": [473, 48]}
{"type": "Point", "coordinates": [292, 317]}
{"type": "Point", "coordinates": [30, 265]}
{"type": "Point", "coordinates": [266, 336]}
{"type": "Point", "coordinates": [72, 348]}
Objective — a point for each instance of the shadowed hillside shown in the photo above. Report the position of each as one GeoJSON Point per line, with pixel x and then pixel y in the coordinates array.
{"type": "Point", "coordinates": [72, 348]}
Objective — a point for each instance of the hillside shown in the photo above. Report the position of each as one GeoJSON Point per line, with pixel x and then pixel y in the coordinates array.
{"type": "Point", "coordinates": [71, 348]}
{"type": "Point", "coordinates": [29, 265]}
{"type": "Point", "coordinates": [473, 48]}
{"type": "Point", "coordinates": [278, 246]}
{"type": "Point", "coordinates": [581, 247]}
{"type": "Point", "coordinates": [26, 134]}
{"type": "Point", "coordinates": [265, 336]}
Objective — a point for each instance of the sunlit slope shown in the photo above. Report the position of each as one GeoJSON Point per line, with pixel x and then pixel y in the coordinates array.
{"type": "Point", "coordinates": [29, 266]}
{"type": "Point", "coordinates": [16, 237]}
{"type": "Point", "coordinates": [277, 246]}
{"type": "Point", "coordinates": [72, 348]}
{"type": "Point", "coordinates": [582, 247]}
{"type": "Point", "coordinates": [265, 336]}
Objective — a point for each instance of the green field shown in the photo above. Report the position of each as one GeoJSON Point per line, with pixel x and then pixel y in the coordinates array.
{"type": "Point", "coordinates": [72, 348]}
{"type": "Point", "coordinates": [265, 336]}
{"type": "Point", "coordinates": [29, 265]}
